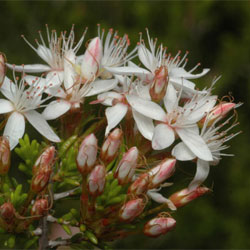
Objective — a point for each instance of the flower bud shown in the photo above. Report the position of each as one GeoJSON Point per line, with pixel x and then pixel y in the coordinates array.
{"type": "Point", "coordinates": [161, 172]}
{"type": "Point", "coordinates": [183, 197]}
{"type": "Point", "coordinates": [96, 180]}
{"type": "Point", "coordinates": [159, 226]}
{"type": "Point", "coordinates": [126, 168]}
{"type": "Point", "coordinates": [4, 155]}
{"type": "Point", "coordinates": [140, 185]}
{"type": "Point", "coordinates": [111, 146]}
{"type": "Point", "coordinates": [7, 212]}
{"type": "Point", "coordinates": [40, 208]}
{"type": "Point", "coordinates": [130, 210]}
{"type": "Point", "coordinates": [46, 158]}
{"type": "Point", "coordinates": [158, 88]}
{"type": "Point", "coordinates": [91, 59]}
{"type": "Point", "coordinates": [87, 154]}
{"type": "Point", "coordinates": [2, 68]}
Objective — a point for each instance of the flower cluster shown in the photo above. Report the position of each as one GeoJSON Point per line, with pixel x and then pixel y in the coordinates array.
{"type": "Point", "coordinates": [150, 117]}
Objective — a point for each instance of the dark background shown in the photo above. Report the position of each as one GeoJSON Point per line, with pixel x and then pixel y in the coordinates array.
{"type": "Point", "coordinates": [217, 34]}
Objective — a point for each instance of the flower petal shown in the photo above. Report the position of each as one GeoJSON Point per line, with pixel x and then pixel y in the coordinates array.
{"type": "Point", "coordinates": [5, 106]}
{"type": "Point", "coordinates": [146, 107]}
{"type": "Point", "coordinates": [195, 143]}
{"type": "Point", "coordinates": [100, 86]}
{"type": "Point", "coordinates": [163, 137]}
{"type": "Point", "coordinates": [146, 58]}
{"type": "Point", "coordinates": [69, 72]}
{"type": "Point", "coordinates": [40, 124]}
{"type": "Point", "coordinates": [114, 115]}
{"type": "Point", "coordinates": [14, 129]}
{"type": "Point", "coordinates": [55, 109]}
{"type": "Point", "coordinates": [108, 97]}
{"type": "Point", "coordinates": [145, 125]}
{"type": "Point", "coordinates": [30, 68]}
{"type": "Point", "coordinates": [8, 88]}
{"type": "Point", "coordinates": [129, 71]}
{"type": "Point", "coordinates": [45, 53]}
{"type": "Point", "coordinates": [201, 175]}
{"type": "Point", "coordinates": [182, 153]}
{"type": "Point", "coordinates": [170, 99]}
{"type": "Point", "coordinates": [181, 72]}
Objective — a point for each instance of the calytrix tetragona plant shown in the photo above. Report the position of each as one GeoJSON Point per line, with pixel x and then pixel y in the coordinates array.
{"type": "Point", "coordinates": [121, 130]}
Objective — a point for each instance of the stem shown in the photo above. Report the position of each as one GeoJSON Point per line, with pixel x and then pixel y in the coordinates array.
{"type": "Point", "coordinates": [154, 210]}
{"type": "Point", "coordinates": [43, 240]}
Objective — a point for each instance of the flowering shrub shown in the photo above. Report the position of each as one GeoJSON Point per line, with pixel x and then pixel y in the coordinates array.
{"type": "Point", "coordinates": [124, 128]}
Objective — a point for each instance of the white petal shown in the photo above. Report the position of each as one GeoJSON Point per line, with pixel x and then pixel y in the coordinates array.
{"type": "Point", "coordinates": [163, 137]}
{"type": "Point", "coordinates": [30, 68]}
{"type": "Point", "coordinates": [14, 129]}
{"type": "Point", "coordinates": [195, 143]}
{"type": "Point", "coordinates": [144, 124]}
{"type": "Point", "coordinates": [45, 53]}
{"type": "Point", "coordinates": [55, 78]}
{"type": "Point", "coordinates": [146, 58]}
{"type": "Point", "coordinates": [40, 124]}
{"type": "Point", "coordinates": [146, 107]}
{"type": "Point", "coordinates": [8, 88]}
{"type": "Point", "coordinates": [69, 72]}
{"type": "Point", "coordinates": [128, 71]}
{"type": "Point", "coordinates": [100, 86]}
{"type": "Point", "coordinates": [5, 106]}
{"type": "Point", "coordinates": [55, 109]}
{"type": "Point", "coordinates": [180, 72]}
{"type": "Point", "coordinates": [114, 115]}
{"type": "Point", "coordinates": [182, 153]}
{"type": "Point", "coordinates": [181, 82]}
{"type": "Point", "coordinates": [170, 99]}
{"type": "Point", "coordinates": [201, 175]}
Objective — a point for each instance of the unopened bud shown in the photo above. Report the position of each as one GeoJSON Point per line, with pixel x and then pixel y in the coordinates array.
{"type": "Point", "coordinates": [4, 155]}
{"type": "Point", "coordinates": [87, 154]}
{"type": "Point", "coordinates": [7, 212]}
{"type": "Point", "coordinates": [40, 208]}
{"type": "Point", "coordinates": [159, 226]}
{"type": "Point", "coordinates": [140, 185]}
{"type": "Point", "coordinates": [46, 158]}
{"type": "Point", "coordinates": [2, 68]}
{"type": "Point", "coordinates": [131, 210]}
{"type": "Point", "coordinates": [96, 180]}
{"type": "Point", "coordinates": [219, 110]}
{"type": "Point", "coordinates": [126, 168]}
{"type": "Point", "coordinates": [111, 146]}
{"type": "Point", "coordinates": [159, 85]}
{"type": "Point", "coordinates": [161, 172]}
{"type": "Point", "coordinates": [183, 197]}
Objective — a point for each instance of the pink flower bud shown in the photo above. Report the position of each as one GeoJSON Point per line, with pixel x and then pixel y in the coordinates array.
{"type": "Point", "coordinates": [111, 146]}
{"type": "Point", "coordinates": [7, 212]}
{"type": "Point", "coordinates": [161, 172]}
{"type": "Point", "coordinates": [183, 197]}
{"type": "Point", "coordinates": [4, 155]}
{"type": "Point", "coordinates": [92, 59]}
{"type": "Point", "coordinates": [140, 185]}
{"type": "Point", "coordinates": [40, 208]}
{"type": "Point", "coordinates": [159, 226]}
{"type": "Point", "coordinates": [159, 85]}
{"type": "Point", "coordinates": [96, 180]}
{"type": "Point", "coordinates": [219, 110]}
{"type": "Point", "coordinates": [130, 210]}
{"type": "Point", "coordinates": [87, 154]}
{"type": "Point", "coordinates": [2, 68]}
{"type": "Point", "coordinates": [126, 168]}
{"type": "Point", "coordinates": [46, 158]}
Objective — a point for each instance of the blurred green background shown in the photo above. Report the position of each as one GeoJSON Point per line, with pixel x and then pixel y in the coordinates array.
{"type": "Point", "coordinates": [217, 34]}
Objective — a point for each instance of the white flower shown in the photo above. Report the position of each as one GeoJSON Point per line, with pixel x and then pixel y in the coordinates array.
{"type": "Point", "coordinates": [215, 141]}
{"type": "Point", "coordinates": [23, 102]}
{"type": "Point", "coordinates": [177, 120]}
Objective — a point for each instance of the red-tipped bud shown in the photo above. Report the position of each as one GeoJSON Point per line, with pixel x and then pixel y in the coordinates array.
{"type": "Point", "coordinates": [159, 226]}
{"type": "Point", "coordinates": [161, 172]}
{"type": "Point", "coordinates": [159, 85]}
{"type": "Point", "coordinates": [219, 110]}
{"type": "Point", "coordinates": [4, 155]}
{"type": "Point", "coordinates": [140, 185]}
{"type": "Point", "coordinates": [183, 197]}
{"type": "Point", "coordinates": [45, 159]}
{"type": "Point", "coordinates": [131, 210]}
{"type": "Point", "coordinates": [2, 68]}
{"type": "Point", "coordinates": [40, 208]}
{"type": "Point", "coordinates": [96, 180]}
{"type": "Point", "coordinates": [126, 168]}
{"type": "Point", "coordinates": [111, 146]}
{"type": "Point", "coordinates": [87, 154]}
{"type": "Point", "coordinates": [7, 212]}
